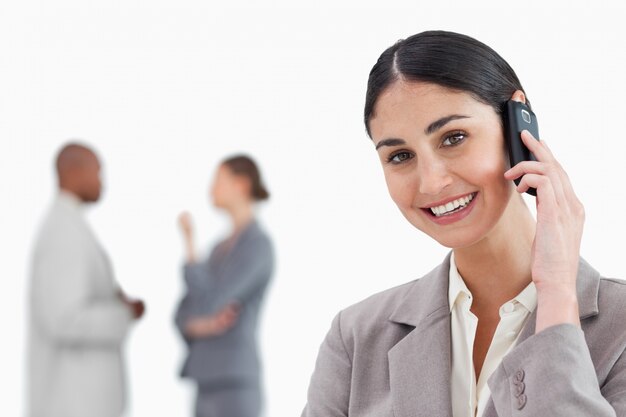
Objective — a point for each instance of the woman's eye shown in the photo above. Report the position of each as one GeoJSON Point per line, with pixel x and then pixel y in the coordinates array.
{"type": "Point", "coordinates": [399, 157]}
{"type": "Point", "coordinates": [453, 139]}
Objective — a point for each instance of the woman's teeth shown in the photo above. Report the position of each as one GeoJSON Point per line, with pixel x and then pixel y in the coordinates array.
{"type": "Point", "coordinates": [452, 206]}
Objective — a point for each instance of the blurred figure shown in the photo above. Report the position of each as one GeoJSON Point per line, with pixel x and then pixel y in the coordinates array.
{"type": "Point", "coordinates": [218, 316]}
{"type": "Point", "coordinates": [79, 316]}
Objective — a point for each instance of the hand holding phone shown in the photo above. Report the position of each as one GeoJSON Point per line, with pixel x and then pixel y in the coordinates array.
{"type": "Point", "coordinates": [518, 117]}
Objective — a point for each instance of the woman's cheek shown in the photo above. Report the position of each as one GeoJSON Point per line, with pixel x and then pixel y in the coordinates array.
{"type": "Point", "coordinates": [490, 167]}
{"type": "Point", "coordinates": [401, 189]}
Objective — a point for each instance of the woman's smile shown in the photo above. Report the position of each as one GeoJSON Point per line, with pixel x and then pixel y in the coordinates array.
{"type": "Point", "coordinates": [451, 209]}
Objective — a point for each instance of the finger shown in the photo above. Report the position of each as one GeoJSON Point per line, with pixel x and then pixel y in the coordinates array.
{"type": "Point", "coordinates": [224, 315]}
{"type": "Point", "coordinates": [228, 310]}
{"type": "Point", "coordinates": [542, 152]}
{"type": "Point", "coordinates": [221, 323]}
{"type": "Point", "coordinates": [185, 219]}
{"type": "Point", "coordinates": [232, 315]}
{"type": "Point", "coordinates": [225, 323]}
{"type": "Point", "coordinates": [537, 147]}
{"type": "Point", "coordinates": [228, 314]}
{"type": "Point", "coordinates": [525, 168]}
{"type": "Point", "coordinates": [547, 202]}
{"type": "Point", "coordinates": [191, 328]}
{"type": "Point", "coordinates": [566, 183]}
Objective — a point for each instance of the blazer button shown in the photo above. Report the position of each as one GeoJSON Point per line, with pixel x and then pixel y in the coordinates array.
{"type": "Point", "coordinates": [519, 376]}
{"type": "Point", "coordinates": [519, 388]}
{"type": "Point", "coordinates": [521, 401]}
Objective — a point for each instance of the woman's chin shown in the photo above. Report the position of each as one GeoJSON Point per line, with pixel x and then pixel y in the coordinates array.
{"type": "Point", "coordinates": [455, 243]}
{"type": "Point", "coordinates": [455, 239]}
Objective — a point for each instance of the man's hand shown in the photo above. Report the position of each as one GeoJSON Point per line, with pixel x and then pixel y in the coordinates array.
{"type": "Point", "coordinates": [137, 307]}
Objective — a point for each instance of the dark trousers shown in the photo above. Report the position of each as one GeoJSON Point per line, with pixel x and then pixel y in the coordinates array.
{"type": "Point", "coordinates": [228, 399]}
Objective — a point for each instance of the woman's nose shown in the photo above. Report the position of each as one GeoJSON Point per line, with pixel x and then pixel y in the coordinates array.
{"type": "Point", "coordinates": [433, 176]}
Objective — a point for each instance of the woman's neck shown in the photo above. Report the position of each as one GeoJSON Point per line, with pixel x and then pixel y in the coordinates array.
{"type": "Point", "coordinates": [241, 216]}
{"type": "Point", "coordinates": [498, 268]}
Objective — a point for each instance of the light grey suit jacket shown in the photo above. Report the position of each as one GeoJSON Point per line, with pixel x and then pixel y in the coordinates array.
{"type": "Point", "coordinates": [78, 323]}
{"type": "Point", "coordinates": [389, 355]}
{"type": "Point", "coordinates": [241, 275]}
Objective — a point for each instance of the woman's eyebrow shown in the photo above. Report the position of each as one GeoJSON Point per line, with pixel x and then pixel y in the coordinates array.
{"type": "Point", "coordinates": [432, 128]}
{"type": "Point", "coordinates": [390, 142]}
{"type": "Point", "coordinates": [439, 123]}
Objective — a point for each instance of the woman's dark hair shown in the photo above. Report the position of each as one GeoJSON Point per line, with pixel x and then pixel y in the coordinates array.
{"type": "Point", "coordinates": [448, 59]}
{"type": "Point", "coordinates": [245, 166]}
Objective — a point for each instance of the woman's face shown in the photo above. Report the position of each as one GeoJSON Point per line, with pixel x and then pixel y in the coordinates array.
{"type": "Point", "coordinates": [227, 189]}
{"type": "Point", "coordinates": [443, 156]}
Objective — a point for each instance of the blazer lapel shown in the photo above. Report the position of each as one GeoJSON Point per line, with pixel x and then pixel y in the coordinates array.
{"type": "Point", "coordinates": [587, 287]}
{"type": "Point", "coordinates": [221, 261]}
{"type": "Point", "coordinates": [420, 364]}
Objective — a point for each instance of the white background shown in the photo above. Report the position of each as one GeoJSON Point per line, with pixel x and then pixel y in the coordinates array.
{"type": "Point", "coordinates": [165, 89]}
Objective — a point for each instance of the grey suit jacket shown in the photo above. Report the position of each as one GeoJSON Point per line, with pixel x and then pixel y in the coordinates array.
{"type": "Point", "coordinates": [240, 275]}
{"type": "Point", "coordinates": [389, 355]}
{"type": "Point", "coordinates": [78, 323]}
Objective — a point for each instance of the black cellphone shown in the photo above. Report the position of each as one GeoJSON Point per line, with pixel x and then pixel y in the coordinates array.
{"type": "Point", "coordinates": [518, 117]}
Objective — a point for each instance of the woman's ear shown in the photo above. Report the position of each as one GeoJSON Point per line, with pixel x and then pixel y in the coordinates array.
{"type": "Point", "coordinates": [244, 185]}
{"type": "Point", "coordinates": [519, 96]}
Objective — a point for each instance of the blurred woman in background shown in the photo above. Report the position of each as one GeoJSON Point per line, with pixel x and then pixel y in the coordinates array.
{"type": "Point", "coordinates": [218, 316]}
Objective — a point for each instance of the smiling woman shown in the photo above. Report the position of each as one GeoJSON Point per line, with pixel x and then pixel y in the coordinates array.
{"type": "Point", "coordinates": [448, 141]}
{"type": "Point", "coordinates": [513, 320]}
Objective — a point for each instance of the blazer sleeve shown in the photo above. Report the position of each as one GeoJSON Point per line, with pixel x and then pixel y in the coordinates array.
{"type": "Point", "coordinates": [248, 271]}
{"type": "Point", "coordinates": [65, 303]}
{"type": "Point", "coordinates": [552, 374]}
{"type": "Point", "coordinates": [183, 312]}
{"type": "Point", "coordinates": [329, 389]}
{"type": "Point", "coordinates": [199, 284]}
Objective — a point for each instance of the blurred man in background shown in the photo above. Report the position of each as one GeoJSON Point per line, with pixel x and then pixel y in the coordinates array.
{"type": "Point", "coordinates": [79, 317]}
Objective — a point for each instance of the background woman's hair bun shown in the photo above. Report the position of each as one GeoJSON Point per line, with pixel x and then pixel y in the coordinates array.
{"type": "Point", "coordinates": [245, 166]}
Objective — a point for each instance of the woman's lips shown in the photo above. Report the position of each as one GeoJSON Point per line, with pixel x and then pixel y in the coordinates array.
{"type": "Point", "coordinates": [452, 210]}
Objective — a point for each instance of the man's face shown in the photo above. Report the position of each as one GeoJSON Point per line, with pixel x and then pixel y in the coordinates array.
{"type": "Point", "coordinates": [91, 184]}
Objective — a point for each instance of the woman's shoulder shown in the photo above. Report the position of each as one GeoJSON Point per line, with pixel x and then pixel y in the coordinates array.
{"type": "Point", "coordinates": [416, 297]}
{"type": "Point", "coordinates": [603, 325]}
{"type": "Point", "coordinates": [615, 284]}
{"type": "Point", "coordinates": [378, 306]}
{"type": "Point", "coordinates": [257, 234]}
{"type": "Point", "coordinates": [253, 238]}
{"type": "Point", "coordinates": [612, 297]}
{"type": "Point", "coordinates": [600, 295]}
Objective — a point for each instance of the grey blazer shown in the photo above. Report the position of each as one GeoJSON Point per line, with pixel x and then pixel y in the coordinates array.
{"type": "Point", "coordinates": [389, 355]}
{"type": "Point", "coordinates": [240, 275]}
{"type": "Point", "coordinates": [78, 323]}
